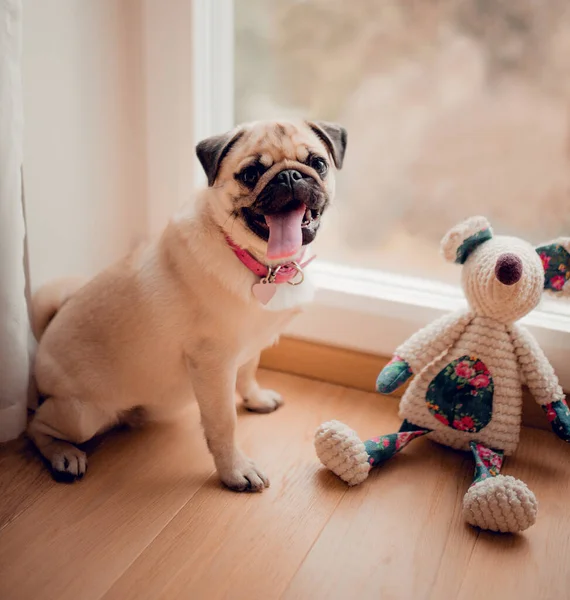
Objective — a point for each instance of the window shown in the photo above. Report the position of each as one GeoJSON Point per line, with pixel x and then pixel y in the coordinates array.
{"type": "Point", "coordinates": [453, 108]}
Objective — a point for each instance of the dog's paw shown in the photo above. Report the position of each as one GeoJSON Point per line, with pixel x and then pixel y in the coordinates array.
{"type": "Point", "coordinates": [69, 464]}
{"type": "Point", "coordinates": [244, 476]}
{"type": "Point", "coordinates": [263, 401]}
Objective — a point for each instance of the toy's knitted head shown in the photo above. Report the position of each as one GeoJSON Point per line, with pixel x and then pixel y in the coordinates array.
{"type": "Point", "coordinates": [504, 277]}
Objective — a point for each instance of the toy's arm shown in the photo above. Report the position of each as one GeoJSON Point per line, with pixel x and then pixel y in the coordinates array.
{"type": "Point", "coordinates": [542, 382]}
{"type": "Point", "coordinates": [421, 349]}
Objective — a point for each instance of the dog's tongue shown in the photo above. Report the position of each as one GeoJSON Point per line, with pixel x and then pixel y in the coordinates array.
{"type": "Point", "coordinates": [285, 233]}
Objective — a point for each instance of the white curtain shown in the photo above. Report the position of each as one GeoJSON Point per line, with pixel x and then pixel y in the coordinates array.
{"type": "Point", "coordinates": [14, 320]}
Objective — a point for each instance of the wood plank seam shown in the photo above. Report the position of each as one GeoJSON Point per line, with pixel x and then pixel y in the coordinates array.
{"type": "Point", "coordinates": [317, 538]}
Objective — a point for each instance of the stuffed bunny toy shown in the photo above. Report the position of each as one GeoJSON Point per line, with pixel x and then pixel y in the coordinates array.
{"type": "Point", "coordinates": [469, 370]}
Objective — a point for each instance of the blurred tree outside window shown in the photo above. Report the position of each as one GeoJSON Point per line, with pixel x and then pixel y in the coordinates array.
{"type": "Point", "coordinates": [453, 108]}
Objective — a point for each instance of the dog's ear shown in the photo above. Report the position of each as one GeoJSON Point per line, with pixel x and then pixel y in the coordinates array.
{"type": "Point", "coordinates": [460, 241]}
{"type": "Point", "coordinates": [334, 138]}
{"type": "Point", "coordinates": [212, 151]}
{"type": "Point", "coordinates": [555, 258]}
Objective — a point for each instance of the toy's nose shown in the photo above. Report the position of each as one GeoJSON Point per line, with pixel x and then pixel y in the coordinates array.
{"type": "Point", "coordinates": [509, 269]}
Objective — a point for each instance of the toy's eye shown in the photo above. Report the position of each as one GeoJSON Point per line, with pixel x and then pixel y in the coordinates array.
{"type": "Point", "coordinates": [319, 164]}
{"type": "Point", "coordinates": [250, 175]}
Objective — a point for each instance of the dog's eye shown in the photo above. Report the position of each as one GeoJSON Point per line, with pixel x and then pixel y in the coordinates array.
{"type": "Point", "coordinates": [319, 164]}
{"type": "Point", "coordinates": [250, 175]}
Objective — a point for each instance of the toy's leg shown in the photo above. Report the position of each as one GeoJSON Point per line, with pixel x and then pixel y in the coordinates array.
{"type": "Point", "coordinates": [497, 502]}
{"type": "Point", "coordinates": [383, 447]}
{"type": "Point", "coordinates": [340, 449]}
{"type": "Point", "coordinates": [488, 462]}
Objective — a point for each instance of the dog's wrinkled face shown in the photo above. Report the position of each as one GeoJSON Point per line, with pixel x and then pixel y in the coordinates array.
{"type": "Point", "coordinates": [272, 182]}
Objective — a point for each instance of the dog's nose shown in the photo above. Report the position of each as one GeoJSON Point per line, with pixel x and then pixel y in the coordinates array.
{"type": "Point", "coordinates": [288, 177]}
{"type": "Point", "coordinates": [509, 269]}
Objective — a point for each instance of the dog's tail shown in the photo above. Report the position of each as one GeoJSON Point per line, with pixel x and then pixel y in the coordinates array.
{"type": "Point", "coordinates": [49, 299]}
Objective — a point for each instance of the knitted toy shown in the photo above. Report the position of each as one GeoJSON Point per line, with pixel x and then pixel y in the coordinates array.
{"type": "Point", "coordinates": [469, 370]}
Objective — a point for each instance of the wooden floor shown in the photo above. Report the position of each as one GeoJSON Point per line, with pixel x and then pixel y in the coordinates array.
{"type": "Point", "coordinates": [150, 519]}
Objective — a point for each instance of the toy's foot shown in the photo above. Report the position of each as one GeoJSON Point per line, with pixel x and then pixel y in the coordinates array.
{"type": "Point", "coordinates": [500, 503]}
{"type": "Point", "coordinates": [341, 450]}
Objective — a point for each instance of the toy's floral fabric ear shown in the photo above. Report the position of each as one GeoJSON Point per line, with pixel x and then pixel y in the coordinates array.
{"type": "Point", "coordinates": [556, 262]}
{"type": "Point", "coordinates": [460, 241]}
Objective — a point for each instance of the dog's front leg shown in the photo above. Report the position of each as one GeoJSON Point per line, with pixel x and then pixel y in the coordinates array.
{"type": "Point", "coordinates": [254, 397]}
{"type": "Point", "coordinates": [214, 387]}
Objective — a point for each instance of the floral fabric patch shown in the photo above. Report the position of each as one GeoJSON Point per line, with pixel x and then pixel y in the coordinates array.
{"type": "Point", "coordinates": [471, 243]}
{"type": "Point", "coordinates": [393, 375]}
{"type": "Point", "coordinates": [488, 462]}
{"type": "Point", "coordinates": [556, 262]}
{"type": "Point", "coordinates": [558, 415]}
{"type": "Point", "coordinates": [383, 447]}
{"type": "Point", "coordinates": [461, 395]}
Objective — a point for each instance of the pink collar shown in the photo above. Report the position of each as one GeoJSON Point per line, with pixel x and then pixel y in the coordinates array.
{"type": "Point", "coordinates": [279, 274]}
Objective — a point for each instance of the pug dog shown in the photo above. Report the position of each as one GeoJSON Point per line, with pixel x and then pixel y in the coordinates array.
{"type": "Point", "coordinates": [187, 316]}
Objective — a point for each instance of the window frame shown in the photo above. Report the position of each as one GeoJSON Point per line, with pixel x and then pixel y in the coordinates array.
{"type": "Point", "coordinates": [360, 309]}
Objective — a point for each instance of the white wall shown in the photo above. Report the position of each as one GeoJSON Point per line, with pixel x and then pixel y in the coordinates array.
{"type": "Point", "coordinates": [167, 33]}
{"type": "Point", "coordinates": [85, 133]}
